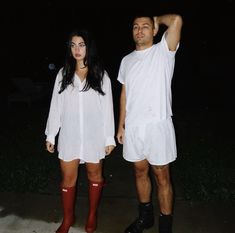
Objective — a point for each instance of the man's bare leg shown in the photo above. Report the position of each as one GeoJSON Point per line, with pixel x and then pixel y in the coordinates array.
{"type": "Point", "coordinates": [145, 219]}
{"type": "Point", "coordinates": [165, 197]}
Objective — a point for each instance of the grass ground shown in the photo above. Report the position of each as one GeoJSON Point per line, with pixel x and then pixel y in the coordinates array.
{"type": "Point", "coordinates": [204, 169]}
{"type": "Point", "coordinates": [206, 149]}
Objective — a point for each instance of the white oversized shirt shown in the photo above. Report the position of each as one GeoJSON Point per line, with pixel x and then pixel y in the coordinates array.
{"type": "Point", "coordinates": [83, 119]}
{"type": "Point", "coordinates": [147, 76]}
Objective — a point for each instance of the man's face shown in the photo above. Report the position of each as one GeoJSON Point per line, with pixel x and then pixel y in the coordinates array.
{"type": "Point", "coordinates": [143, 31]}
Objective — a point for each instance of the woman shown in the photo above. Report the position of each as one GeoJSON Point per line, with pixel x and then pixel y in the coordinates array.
{"type": "Point", "coordinates": [81, 111]}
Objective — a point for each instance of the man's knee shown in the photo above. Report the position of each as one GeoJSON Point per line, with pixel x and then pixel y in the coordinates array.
{"type": "Point", "coordinates": [141, 170]}
{"type": "Point", "coordinates": [162, 174]}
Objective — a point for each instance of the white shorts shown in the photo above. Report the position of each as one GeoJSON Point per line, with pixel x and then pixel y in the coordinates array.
{"type": "Point", "coordinates": [154, 142]}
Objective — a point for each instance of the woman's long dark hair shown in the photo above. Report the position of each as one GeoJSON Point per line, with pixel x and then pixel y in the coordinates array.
{"type": "Point", "coordinates": [96, 70]}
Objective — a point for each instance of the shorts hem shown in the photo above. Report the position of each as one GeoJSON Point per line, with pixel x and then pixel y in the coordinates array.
{"type": "Point", "coordinates": [162, 163]}
{"type": "Point", "coordinates": [151, 162]}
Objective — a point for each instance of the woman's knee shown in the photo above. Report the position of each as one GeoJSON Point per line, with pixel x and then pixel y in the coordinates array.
{"type": "Point", "coordinates": [69, 180]}
{"type": "Point", "coordinates": [69, 172]}
{"type": "Point", "coordinates": [94, 172]}
{"type": "Point", "coordinates": [94, 176]}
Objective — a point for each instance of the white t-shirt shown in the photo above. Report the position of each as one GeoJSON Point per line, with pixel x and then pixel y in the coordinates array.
{"type": "Point", "coordinates": [85, 120]}
{"type": "Point", "coordinates": [147, 76]}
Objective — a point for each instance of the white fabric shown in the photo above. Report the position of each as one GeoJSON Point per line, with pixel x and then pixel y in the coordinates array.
{"type": "Point", "coordinates": [84, 120]}
{"type": "Point", "coordinates": [154, 141]}
{"type": "Point", "coordinates": [147, 76]}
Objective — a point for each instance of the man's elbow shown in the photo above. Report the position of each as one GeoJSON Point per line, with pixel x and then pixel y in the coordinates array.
{"type": "Point", "coordinates": [178, 21]}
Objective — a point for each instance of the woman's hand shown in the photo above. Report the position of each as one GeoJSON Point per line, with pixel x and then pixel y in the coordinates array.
{"type": "Point", "coordinates": [50, 147]}
{"type": "Point", "coordinates": [109, 149]}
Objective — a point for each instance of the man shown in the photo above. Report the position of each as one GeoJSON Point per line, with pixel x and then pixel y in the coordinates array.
{"type": "Point", "coordinates": [145, 125]}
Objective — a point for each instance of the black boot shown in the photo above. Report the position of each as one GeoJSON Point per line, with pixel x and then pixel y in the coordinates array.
{"type": "Point", "coordinates": [144, 221]}
{"type": "Point", "coordinates": [165, 223]}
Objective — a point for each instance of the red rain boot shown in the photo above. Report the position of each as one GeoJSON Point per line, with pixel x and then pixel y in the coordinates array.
{"type": "Point", "coordinates": [68, 202]}
{"type": "Point", "coordinates": [95, 189]}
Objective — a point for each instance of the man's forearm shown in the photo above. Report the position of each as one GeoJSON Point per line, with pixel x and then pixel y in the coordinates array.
{"type": "Point", "coordinates": [122, 116]}
{"type": "Point", "coordinates": [173, 22]}
{"type": "Point", "coordinates": [167, 19]}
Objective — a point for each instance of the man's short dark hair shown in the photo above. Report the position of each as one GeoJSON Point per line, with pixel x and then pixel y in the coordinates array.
{"type": "Point", "coordinates": [143, 15]}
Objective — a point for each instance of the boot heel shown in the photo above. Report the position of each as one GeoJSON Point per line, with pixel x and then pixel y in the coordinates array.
{"type": "Point", "coordinates": [95, 190]}
{"type": "Point", "coordinates": [68, 200]}
{"type": "Point", "coordinates": [144, 221]}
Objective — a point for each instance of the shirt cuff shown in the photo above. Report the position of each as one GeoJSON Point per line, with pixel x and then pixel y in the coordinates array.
{"type": "Point", "coordinates": [110, 141]}
{"type": "Point", "coordinates": [51, 139]}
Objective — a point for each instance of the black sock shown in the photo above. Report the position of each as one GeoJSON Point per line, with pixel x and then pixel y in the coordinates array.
{"type": "Point", "coordinates": [165, 223]}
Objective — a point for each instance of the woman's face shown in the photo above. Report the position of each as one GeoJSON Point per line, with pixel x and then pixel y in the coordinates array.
{"type": "Point", "coordinates": [78, 48]}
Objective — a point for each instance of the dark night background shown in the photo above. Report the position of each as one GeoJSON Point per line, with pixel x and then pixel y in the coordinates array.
{"type": "Point", "coordinates": [34, 36]}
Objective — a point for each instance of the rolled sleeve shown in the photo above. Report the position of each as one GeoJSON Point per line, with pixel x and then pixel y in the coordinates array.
{"type": "Point", "coordinates": [54, 116]}
{"type": "Point", "coordinates": [110, 141]}
{"type": "Point", "coordinates": [51, 139]}
{"type": "Point", "coordinates": [108, 113]}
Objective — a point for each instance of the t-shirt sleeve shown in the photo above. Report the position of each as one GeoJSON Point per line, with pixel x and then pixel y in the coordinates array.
{"type": "Point", "coordinates": [121, 77]}
{"type": "Point", "coordinates": [165, 47]}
